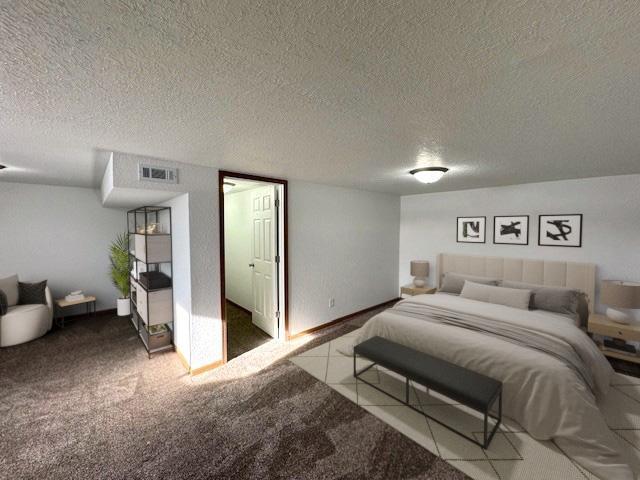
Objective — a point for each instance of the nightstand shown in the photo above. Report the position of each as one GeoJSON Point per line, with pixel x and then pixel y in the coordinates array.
{"type": "Point", "coordinates": [413, 290]}
{"type": "Point", "coordinates": [601, 325]}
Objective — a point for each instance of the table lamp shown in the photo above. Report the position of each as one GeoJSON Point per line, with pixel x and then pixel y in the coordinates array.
{"type": "Point", "coordinates": [620, 295]}
{"type": "Point", "coordinates": [420, 272]}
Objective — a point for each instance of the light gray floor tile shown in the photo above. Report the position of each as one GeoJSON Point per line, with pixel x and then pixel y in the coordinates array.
{"type": "Point", "coordinates": [476, 469]}
{"type": "Point", "coordinates": [316, 366]}
{"type": "Point", "coordinates": [339, 343]}
{"type": "Point", "coordinates": [320, 351]}
{"type": "Point", "coordinates": [348, 390]}
{"type": "Point", "coordinates": [500, 447]}
{"type": "Point", "coordinates": [340, 370]}
{"type": "Point", "coordinates": [541, 460]}
{"type": "Point", "coordinates": [408, 422]}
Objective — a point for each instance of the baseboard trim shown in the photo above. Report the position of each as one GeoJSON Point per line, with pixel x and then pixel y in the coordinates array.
{"type": "Point", "coordinates": [100, 313]}
{"type": "Point", "coordinates": [339, 320]}
{"type": "Point", "coordinates": [199, 370]}
{"type": "Point", "coordinates": [206, 368]}
{"type": "Point", "coordinates": [238, 306]}
{"type": "Point", "coordinates": [183, 360]}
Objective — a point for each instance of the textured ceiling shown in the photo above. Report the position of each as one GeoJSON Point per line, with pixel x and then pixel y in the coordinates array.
{"type": "Point", "coordinates": [345, 93]}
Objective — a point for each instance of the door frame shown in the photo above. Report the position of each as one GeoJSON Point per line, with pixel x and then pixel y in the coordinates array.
{"type": "Point", "coordinates": [222, 174]}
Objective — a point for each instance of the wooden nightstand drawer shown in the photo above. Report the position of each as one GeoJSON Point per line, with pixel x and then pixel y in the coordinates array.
{"type": "Point", "coordinates": [601, 325]}
{"type": "Point", "coordinates": [612, 331]}
{"type": "Point", "coordinates": [411, 290]}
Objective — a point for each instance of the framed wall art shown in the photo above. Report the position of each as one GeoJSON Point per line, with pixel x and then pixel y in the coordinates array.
{"type": "Point", "coordinates": [471, 229]}
{"type": "Point", "coordinates": [560, 230]}
{"type": "Point", "coordinates": [511, 230]}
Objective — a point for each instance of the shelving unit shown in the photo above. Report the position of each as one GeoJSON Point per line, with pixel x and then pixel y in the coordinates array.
{"type": "Point", "coordinates": [151, 275]}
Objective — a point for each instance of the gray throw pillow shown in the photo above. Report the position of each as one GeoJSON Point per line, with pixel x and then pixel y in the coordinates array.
{"type": "Point", "coordinates": [32, 293]}
{"type": "Point", "coordinates": [10, 287]}
{"type": "Point", "coordinates": [454, 282]}
{"type": "Point", "coordinates": [552, 299]}
{"type": "Point", "coordinates": [4, 305]}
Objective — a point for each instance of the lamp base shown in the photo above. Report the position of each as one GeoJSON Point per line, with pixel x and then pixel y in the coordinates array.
{"type": "Point", "coordinates": [419, 282]}
{"type": "Point", "coordinates": [618, 316]}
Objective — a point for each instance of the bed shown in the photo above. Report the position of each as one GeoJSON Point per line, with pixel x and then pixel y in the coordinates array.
{"type": "Point", "coordinates": [553, 379]}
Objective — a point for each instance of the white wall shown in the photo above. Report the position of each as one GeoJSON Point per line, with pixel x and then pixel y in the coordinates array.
{"type": "Point", "coordinates": [611, 223]}
{"type": "Point", "coordinates": [61, 234]}
{"type": "Point", "coordinates": [237, 243]}
{"type": "Point", "coordinates": [181, 274]}
{"type": "Point", "coordinates": [343, 244]}
{"type": "Point", "coordinates": [201, 184]}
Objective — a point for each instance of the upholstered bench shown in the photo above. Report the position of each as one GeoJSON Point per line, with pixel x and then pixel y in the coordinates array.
{"type": "Point", "coordinates": [464, 386]}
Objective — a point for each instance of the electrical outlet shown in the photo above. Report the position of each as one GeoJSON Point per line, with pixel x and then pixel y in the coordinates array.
{"type": "Point", "coordinates": [332, 302]}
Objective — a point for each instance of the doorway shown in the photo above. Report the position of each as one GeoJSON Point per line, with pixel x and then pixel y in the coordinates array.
{"type": "Point", "coordinates": [253, 261]}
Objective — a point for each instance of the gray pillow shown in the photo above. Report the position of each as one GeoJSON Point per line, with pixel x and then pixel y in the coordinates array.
{"type": "Point", "coordinates": [511, 297]}
{"type": "Point", "coordinates": [453, 282]}
{"type": "Point", "coordinates": [552, 299]}
{"type": "Point", "coordinates": [4, 307]}
{"type": "Point", "coordinates": [10, 287]}
{"type": "Point", "coordinates": [33, 293]}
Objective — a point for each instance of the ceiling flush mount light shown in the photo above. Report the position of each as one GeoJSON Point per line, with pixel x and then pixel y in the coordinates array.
{"type": "Point", "coordinates": [227, 186]}
{"type": "Point", "coordinates": [429, 174]}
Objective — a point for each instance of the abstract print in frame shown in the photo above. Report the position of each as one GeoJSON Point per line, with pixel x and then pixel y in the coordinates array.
{"type": "Point", "coordinates": [471, 229]}
{"type": "Point", "coordinates": [560, 230]}
{"type": "Point", "coordinates": [511, 230]}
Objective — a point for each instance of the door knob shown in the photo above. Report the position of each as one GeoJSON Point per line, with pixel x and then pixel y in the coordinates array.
{"type": "Point", "coordinates": [252, 265]}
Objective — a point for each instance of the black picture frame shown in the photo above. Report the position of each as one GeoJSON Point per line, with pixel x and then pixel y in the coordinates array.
{"type": "Point", "coordinates": [482, 231]}
{"type": "Point", "coordinates": [524, 218]}
{"type": "Point", "coordinates": [574, 242]}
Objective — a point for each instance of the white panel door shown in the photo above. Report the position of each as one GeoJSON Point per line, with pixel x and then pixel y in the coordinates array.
{"type": "Point", "coordinates": [264, 214]}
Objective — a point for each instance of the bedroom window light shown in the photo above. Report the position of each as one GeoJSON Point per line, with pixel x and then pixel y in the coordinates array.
{"type": "Point", "coordinates": [429, 174]}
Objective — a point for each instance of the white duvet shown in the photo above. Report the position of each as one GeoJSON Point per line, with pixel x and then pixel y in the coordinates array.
{"type": "Point", "coordinates": [548, 398]}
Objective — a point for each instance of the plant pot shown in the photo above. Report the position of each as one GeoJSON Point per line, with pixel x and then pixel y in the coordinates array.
{"type": "Point", "coordinates": [124, 307]}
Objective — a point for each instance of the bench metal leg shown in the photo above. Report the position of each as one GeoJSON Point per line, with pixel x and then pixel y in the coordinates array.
{"type": "Point", "coordinates": [487, 436]}
{"type": "Point", "coordinates": [407, 391]}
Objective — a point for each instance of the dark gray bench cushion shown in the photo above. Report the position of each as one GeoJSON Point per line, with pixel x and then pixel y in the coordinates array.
{"type": "Point", "coordinates": [460, 384]}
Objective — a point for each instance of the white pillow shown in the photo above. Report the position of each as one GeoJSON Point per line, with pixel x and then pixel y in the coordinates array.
{"type": "Point", "coordinates": [9, 286]}
{"type": "Point", "coordinates": [511, 297]}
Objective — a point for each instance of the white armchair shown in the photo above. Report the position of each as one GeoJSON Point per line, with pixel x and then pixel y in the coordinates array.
{"type": "Point", "coordinates": [23, 323]}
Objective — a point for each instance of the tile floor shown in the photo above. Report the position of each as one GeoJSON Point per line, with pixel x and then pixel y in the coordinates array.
{"type": "Point", "coordinates": [513, 454]}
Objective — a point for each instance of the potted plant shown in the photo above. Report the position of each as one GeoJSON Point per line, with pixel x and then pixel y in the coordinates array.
{"type": "Point", "coordinates": [119, 256]}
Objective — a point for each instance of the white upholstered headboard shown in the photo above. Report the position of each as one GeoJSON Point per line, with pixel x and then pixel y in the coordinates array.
{"type": "Point", "coordinates": [581, 276]}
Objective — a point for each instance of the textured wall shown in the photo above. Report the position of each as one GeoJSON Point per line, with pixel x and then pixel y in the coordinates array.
{"type": "Point", "coordinates": [61, 234]}
{"type": "Point", "coordinates": [181, 257]}
{"type": "Point", "coordinates": [343, 244]}
{"type": "Point", "coordinates": [201, 185]}
{"type": "Point", "coordinates": [611, 223]}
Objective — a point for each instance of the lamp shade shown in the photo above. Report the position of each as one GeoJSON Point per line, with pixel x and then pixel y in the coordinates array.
{"type": "Point", "coordinates": [419, 268]}
{"type": "Point", "coordinates": [616, 293]}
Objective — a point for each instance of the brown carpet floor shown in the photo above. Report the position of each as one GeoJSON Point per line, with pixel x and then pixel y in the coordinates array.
{"type": "Point", "coordinates": [242, 334]}
{"type": "Point", "coordinates": [86, 403]}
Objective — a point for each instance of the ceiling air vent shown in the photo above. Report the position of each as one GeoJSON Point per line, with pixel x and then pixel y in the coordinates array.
{"type": "Point", "coordinates": [158, 174]}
